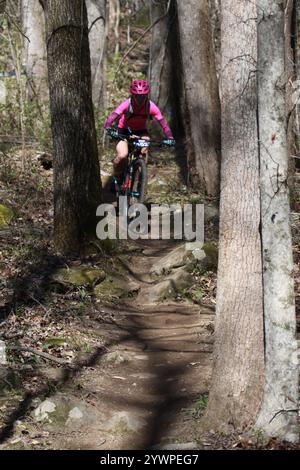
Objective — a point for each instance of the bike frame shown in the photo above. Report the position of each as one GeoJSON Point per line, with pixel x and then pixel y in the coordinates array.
{"type": "Point", "coordinates": [132, 157]}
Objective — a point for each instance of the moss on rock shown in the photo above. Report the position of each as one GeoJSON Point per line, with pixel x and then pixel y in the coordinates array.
{"type": "Point", "coordinates": [111, 289]}
{"type": "Point", "coordinates": [80, 276]}
{"type": "Point", "coordinates": [6, 215]}
{"type": "Point", "coordinates": [211, 252]}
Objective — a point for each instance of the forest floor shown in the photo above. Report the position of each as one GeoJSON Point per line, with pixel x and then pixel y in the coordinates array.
{"type": "Point", "coordinates": [112, 350]}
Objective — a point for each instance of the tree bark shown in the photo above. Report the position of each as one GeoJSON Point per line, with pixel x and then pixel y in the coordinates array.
{"type": "Point", "coordinates": [201, 94]}
{"type": "Point", "coordinates": [279, 414]}
{"type": "Point", "coordinates": [77, 187]}
{"type": "Point", "coordinates": [2, 6]}
{"type": "Point", "coordinates": [114, 21]}
{"type": "Point", "coordinates": [97, 38]}
{"type": "Point", "coordinates": [238, 373]}
{"type": "Point", "coordinates": [297, 85]}
{"type": "Point", "coordinates": [138, 4]}
{"type": "Point", "coordinates": [290, 76]}
{"type": "Point", "coordinates": [34, 56]}
{"type": "Point", "coordinates": [165, 67]}
{"type": "Point", "coordinates": [160, 67]}
{"type": "Point", "coordinates": [215, 13]}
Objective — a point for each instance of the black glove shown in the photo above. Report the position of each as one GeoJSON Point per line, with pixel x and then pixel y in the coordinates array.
{"type": "Point", "coordinates": [169, 142]}
{"type": "Point", "coordinates": [112, 133]}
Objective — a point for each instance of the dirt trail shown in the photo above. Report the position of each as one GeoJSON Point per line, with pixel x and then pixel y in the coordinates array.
{"type": "Point", "coordinates": [140, 390]}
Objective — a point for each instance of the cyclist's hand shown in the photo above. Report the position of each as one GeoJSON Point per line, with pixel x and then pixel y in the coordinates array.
{"type": "Point", "coordinates": [169, 142]}
{"type": "Point", "coordinates": [112, 132]}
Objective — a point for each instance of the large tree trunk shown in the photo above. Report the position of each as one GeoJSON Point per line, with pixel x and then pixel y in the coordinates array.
{"type": "Point", "coordinates": [178, 116]}
{"type": "Point", "coordinates": [97, 37]}
{"type": "Point", "coordinates": [279, 414]}
{"type": "Point", "coordinates": [77, 187]}
{"type": "Point", "coordinates": [201, 93]}
{"type": "Point", "coordinates": [297, 84]}
{"type": "Point", "coordinates": [165, 67]}
{"type": "Point", "coordinates": [238, 374]}
{"type": "Point", "coordinates": [34, 56]}
{"type": "Point", "coordinates": [290, 76]}
{"type": "Point", "coordinates": [160, 67]}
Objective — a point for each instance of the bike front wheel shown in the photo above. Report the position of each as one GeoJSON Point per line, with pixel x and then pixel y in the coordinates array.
{"type": "Point", "coordinates": [140, 179]}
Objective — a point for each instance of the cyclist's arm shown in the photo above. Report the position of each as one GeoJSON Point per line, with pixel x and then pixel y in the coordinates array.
{"type": "Point", "coordinates": [110, 120]}
{"type": "Point", "coordinates": [156, 113]}
{"type": "Point", "coordinates": [121, 109]}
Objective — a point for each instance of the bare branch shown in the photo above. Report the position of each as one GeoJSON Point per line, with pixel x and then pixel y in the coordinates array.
{"type": "Point", "coordinates": [10, 19]}
{"type": "Point", "coordinates": [95, 21]}
{"type": "Point", "coordinates": [44, 355]}
{"type": "Point", "coordinates": [283, 411]}
{"type": "Point", "coordinates": [69, 25]}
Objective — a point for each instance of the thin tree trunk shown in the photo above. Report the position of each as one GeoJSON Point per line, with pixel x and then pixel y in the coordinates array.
{"type": "Point", "coordinates": [201, 94]}
{"type": "Point", "coordinates": [2, 6]}
{"type": "Point", "coordinates": [129, 12]}
{"type": "Point", "coordinates": [279, 414]}
{"type": "Point", "coordinates": [16, 58]}
{"type": "Point", "coordinates": [77, 187]}
{"type": "Point", "coordinates": [114, 21]}
{"type": "Point", "coordinates": [238, 374]}
{"type": "Point", "coordinates": [34, 55]}
{"type": "Point", "coordinates": [138, 4]}
{"type": "Point", "coordinates": [117, 25]}
{"type": "Point", "coordinates": [215, 9]}
{"type": "Point", "coordinates": [97, 38]}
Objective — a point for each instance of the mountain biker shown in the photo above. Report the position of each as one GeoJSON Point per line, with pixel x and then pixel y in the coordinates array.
{"type": "Point", "coordinates": [133, 115]}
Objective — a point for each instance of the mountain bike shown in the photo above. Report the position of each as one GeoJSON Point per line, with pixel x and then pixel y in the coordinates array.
{"type": "Point", "coordinates": [133, 183]}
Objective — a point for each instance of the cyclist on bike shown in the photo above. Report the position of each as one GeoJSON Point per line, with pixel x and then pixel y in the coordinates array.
{"type": "Point", "coordinates": [133, 115]}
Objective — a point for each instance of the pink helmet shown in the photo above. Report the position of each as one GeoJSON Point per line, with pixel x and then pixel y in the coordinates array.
{"type": "Point", "coordinates": [139, 87]}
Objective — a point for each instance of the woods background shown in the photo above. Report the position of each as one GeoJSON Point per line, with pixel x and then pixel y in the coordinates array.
{"type": "Point", "coordinates": [227, 77]}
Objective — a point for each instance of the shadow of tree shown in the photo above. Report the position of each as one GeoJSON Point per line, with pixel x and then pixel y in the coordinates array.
{"type": "Point", "coordinates": [164, 383]}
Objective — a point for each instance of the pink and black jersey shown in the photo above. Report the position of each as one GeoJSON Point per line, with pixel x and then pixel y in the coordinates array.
{"type": "Point", "coordinates": [136, 120]}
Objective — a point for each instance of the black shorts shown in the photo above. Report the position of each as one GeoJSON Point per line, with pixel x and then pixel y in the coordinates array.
{"type": "Point", "coordinates": [126, 133]}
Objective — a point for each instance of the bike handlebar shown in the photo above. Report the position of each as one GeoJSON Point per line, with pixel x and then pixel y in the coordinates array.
{"type": "Point", "coordinates": [139, 142]}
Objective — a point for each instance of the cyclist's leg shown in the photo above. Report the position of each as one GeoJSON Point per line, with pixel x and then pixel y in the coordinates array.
{"type": "Point", "coordinates": [120, 160]}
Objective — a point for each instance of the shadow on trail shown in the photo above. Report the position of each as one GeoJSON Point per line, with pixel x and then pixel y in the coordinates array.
{"type": "Point", "coordinates": [167, 392]}
{"type": "Point", "coordinates": [172, 384]}
{"type": "Point", "coordinates": [32, 285]}
{"type": "Point", "coordinates": [25, 405]}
